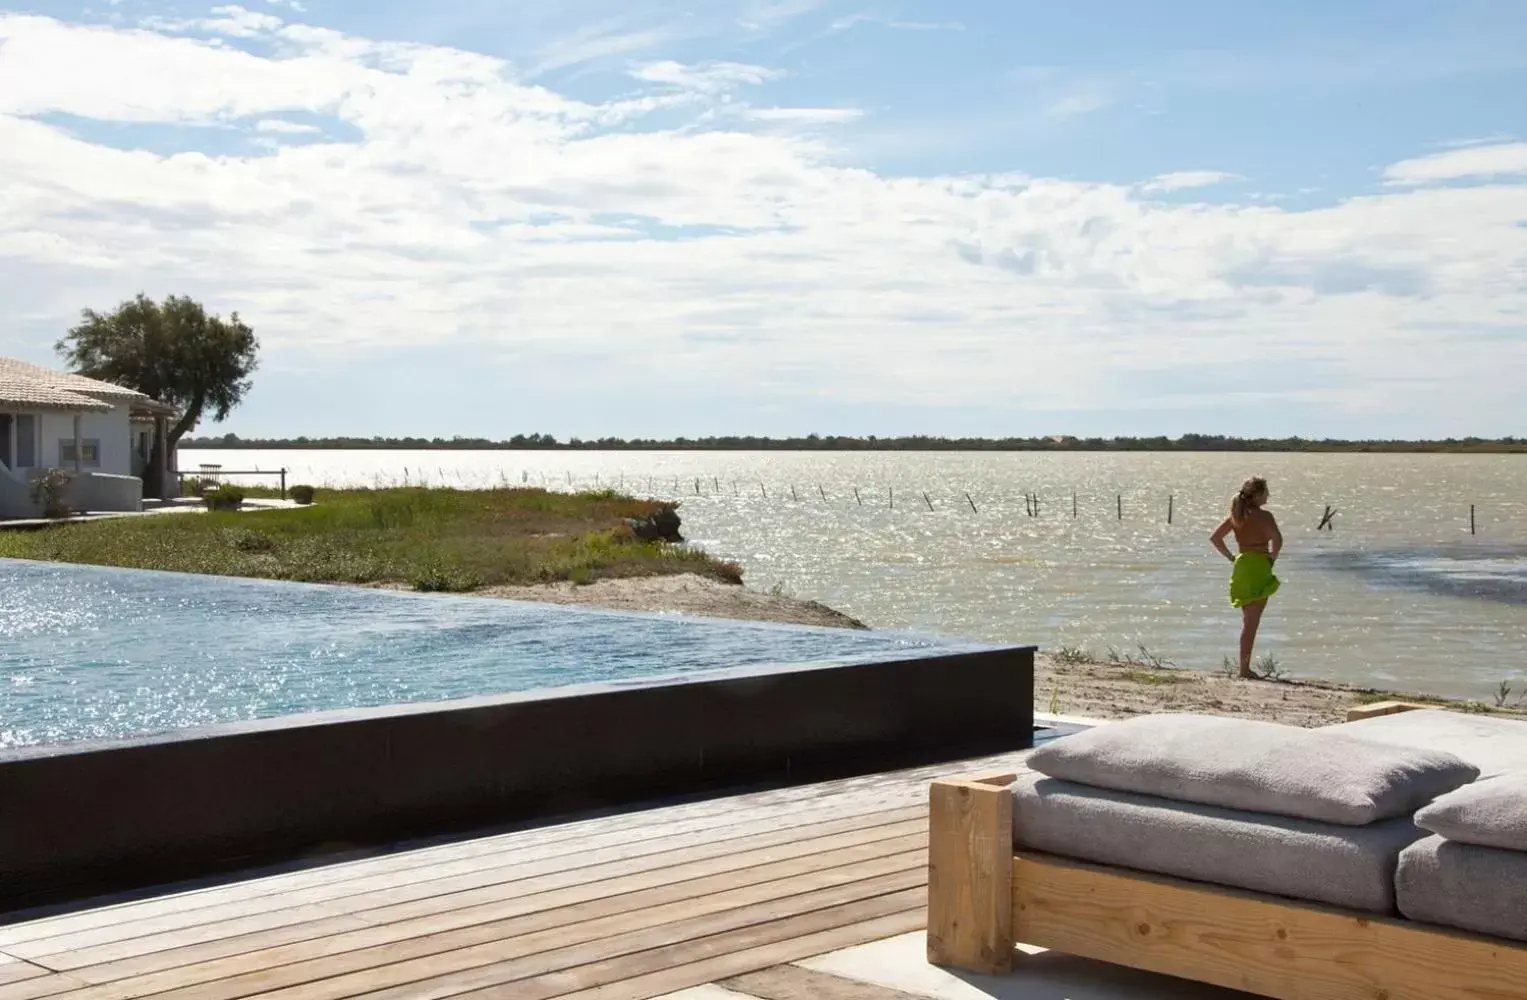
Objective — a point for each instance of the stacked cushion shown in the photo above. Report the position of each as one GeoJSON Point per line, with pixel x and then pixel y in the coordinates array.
{"type": "Point", "coordinates": [1278, 809]}
{"type": "Point", "coordinates": [1472, 873]}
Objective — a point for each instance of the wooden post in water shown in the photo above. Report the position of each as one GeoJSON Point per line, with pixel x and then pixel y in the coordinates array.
{"type": "Point", "coordinates": [927, 501]}
{"type": "Point", "coordinates": [1471, 519]}
{"type": "Point", "coordinates": [1073, 503]}
{"type": "Point", "coordinates": [1120, 498]}
{"type": "Point", "coordinates": [1327, 520]}
{"type": "Point", "coordinates": [697, 486]}
{"type": "Point", "coordinates": [972, 504]}
{"type": "Point", "coordinates": [890, 492]}
{"type": "Point", "coordinates": [822, 491]}
{"type": "Point", "coordinates": [856, 496]}
{"type": "Point", "coordinates": [1169, 499]}
{"type": "Point", "coordinates": [792, 493]}
{"type": "Point", "coordinates": [763, 490]}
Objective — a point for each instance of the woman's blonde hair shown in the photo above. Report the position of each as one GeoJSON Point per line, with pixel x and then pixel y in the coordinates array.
{"type": "Point", "coordinates": [1249, 491]}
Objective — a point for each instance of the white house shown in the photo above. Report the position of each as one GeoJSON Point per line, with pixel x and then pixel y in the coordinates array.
{"type": "Point", "coordinates": [102, 433]}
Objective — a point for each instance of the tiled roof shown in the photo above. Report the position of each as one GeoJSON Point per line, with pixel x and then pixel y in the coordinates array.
{"type": "Point", "coordinates": [67, 381]}
{"type": "Point", "coordinates": [18, 390]}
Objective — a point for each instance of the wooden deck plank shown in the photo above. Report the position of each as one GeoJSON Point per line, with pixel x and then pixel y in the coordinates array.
{"type": "Point", "coordinates": [170, 930]}
{"type": "Point", "coordinates": [426, 936]}
{"type": "Point", "coordinates": [532, 845]}
{"type": "Point", "coordinates": [39, 986]}
{"type": "Point", "coordinates": [490, 943]}
{"type": "Point", "coordinates": [733, 956]}
{"type": "Point", "coordinates": [13, 969]}
{"type": "Point", "coordinates": [792, 982]}
{"type": "Point", "coordinates": [49, 936]}
{"type": "Point", "coordinates": [644, 888]}
{"type": "Point", "coordinates": [554, 972]}
{"type": "Point", "coordinates": [615, 908]}
{"type": "Point", "coordinates": [516, 959]}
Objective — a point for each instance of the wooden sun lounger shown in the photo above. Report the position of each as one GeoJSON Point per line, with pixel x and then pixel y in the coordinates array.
{"type": "Point", "coordinates": [984, 898]}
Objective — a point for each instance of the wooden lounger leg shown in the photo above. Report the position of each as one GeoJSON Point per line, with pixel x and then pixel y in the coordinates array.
{"type": "Point", "coordinates": [970, 873]}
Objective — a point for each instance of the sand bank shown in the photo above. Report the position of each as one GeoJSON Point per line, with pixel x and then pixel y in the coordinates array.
{"type": "Point", "coordinates": [1092, 690]}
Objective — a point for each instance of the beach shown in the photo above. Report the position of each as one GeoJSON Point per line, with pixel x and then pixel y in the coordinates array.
{"type": "Point", "coordinates": [1062, 686]}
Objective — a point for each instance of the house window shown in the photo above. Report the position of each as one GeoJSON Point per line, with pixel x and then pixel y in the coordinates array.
{"type": "Point", "coordinates": [26, 441]}
{"type": "Point", "coordinates": [90, 452]}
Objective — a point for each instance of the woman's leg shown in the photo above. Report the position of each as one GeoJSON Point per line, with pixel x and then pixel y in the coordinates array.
{"type": "Point", "coordinates": [1251, 617]}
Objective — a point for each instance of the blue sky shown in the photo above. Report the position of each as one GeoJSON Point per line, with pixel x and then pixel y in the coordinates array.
{"type": "Point", "coordinates": [786, 216]}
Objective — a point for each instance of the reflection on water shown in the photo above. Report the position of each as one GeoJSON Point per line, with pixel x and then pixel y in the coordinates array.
{"type": "Point", "coordinates": [977, 564]}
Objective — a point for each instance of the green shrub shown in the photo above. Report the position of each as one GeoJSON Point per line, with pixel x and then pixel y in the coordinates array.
{"type": "Point", "coordinates": [303, 494]}
{"type": "Point", "coordinates": [225, 498]}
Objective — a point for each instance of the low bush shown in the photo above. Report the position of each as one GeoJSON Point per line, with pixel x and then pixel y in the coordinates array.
{"type": "Point", "coordinates": [224, 498]}
{"type": "Point", "coordinates": [302, 494]}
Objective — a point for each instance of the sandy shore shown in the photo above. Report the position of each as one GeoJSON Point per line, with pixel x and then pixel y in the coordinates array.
{"type": "Point", "coordinates": [683, 594]}
{"type": "Point", "coordinates": [1091, 690]}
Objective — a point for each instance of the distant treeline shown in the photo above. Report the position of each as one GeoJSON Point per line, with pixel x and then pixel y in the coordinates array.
{"type": "Point", "coordinates": [816, 442]}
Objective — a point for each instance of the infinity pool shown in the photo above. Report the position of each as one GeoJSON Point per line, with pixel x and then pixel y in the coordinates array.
{"type": "Point", "coordinates": [92, 653]}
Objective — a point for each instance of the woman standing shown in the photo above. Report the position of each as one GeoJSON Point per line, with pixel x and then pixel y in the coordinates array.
{"type": "Point", "coordinates": [1251, 577]}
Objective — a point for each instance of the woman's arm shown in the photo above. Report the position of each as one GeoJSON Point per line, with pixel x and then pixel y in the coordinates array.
{"type": "Point", "coordinates": [1277, 537]}
{"type": "Point", "coordinates": [1218, 539]}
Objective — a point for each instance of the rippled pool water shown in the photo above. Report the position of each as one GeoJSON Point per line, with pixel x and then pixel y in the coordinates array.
{"type": "Point", "coordinates": [89, 653]}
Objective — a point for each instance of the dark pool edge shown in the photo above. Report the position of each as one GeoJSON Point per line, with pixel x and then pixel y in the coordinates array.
{"type": "Point", "coordinates": [79, 823]}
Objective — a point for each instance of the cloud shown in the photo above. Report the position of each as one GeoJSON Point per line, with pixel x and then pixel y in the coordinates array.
{"type": "Point", "coordinates": [708, 77]}
{"type": "Point", "coordinates": [1466, 163]}
{"type": "Point", "coordinates": [1183, 180]}
{"type": "Point", "coordinates": [596, 42]}
{"type": "Point", "coordinates": [489, 220]}
{"type": "Point", "coordinates": [854, 20]}
{"type": "Point", "coordinates": [279, 126]}
{"type": "Point", "coordinates": [818, 116]}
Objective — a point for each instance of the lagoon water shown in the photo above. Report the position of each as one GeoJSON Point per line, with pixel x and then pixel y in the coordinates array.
{"type": "Point", "coordinates": [1400, 594]}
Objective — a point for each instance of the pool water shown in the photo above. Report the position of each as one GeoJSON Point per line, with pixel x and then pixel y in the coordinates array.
{"type": "Point", "coordinates": [94, 653]}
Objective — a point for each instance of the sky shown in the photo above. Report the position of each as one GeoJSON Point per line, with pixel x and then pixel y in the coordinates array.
{"type": "Point", "coordinates": [650, 218]}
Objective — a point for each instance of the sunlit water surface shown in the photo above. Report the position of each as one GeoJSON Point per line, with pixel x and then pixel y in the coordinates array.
{"type": "Point", "coordinates": [95, 653]}
{"type": "Point", "coordinates": [1400, 593]}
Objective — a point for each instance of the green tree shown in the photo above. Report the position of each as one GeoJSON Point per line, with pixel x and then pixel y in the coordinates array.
{"type": "Point", "coordinates": [173, 352]}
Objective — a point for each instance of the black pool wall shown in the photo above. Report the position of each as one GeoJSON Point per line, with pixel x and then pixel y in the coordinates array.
{"type": "Point", "coordinates": [81, 820]}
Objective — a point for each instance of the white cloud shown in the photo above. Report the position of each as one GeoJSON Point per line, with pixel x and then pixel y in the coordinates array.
{"type": "Point", "coordinates": [1183, 180]}
{"type": "Point", "coordinates": [708, 77]}
{"type": "Point", "coordinates": [469, 208]}
{"type": "Point", "coordinates": [854, 20]}
{"type": "Point", "coordinates": [1461, 164]}
{"type": "Point", "coordinates": [281, 126]}
{"type": "Point", "coordinates": [816, 116]}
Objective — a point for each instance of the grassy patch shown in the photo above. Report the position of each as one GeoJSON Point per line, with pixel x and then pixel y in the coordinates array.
{"type": "Point", "coordinates": [427, 539]}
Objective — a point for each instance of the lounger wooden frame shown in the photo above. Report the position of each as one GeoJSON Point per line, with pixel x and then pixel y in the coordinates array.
{"type": "Point", "coordinates": [984, 898]}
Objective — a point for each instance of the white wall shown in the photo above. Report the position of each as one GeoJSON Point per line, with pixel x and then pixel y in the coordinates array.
{"type": "Point", "coordinates": [111, 429]}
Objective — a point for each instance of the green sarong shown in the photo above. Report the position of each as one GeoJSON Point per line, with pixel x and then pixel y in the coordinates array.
{"type": "Point", "coordinates": [1251, 579]}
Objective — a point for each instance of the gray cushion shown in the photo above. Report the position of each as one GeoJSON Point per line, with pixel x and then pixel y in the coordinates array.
{"type": "Point", "coordinates": [1488, 813]}
{"type": "Point", "coordinates": [1351, 866]}
{"type": "Point", "coordinates": [1463, 886]}
{"type": "Point", "coordinates": [1255, 766]}
{"type": "Point", "coordinates": [1494, 744]}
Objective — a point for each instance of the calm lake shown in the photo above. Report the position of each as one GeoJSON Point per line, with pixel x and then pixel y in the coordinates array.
{"type": "Point", "coordinates": [1400, 594]}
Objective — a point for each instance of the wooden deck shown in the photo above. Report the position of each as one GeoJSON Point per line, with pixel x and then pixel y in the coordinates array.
{"type": "Point", "coordinates": [632, 906]}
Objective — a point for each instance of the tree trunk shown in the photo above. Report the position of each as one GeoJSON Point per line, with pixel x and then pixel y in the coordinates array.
{"type": "Point", "coordinates": [172, 438]}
